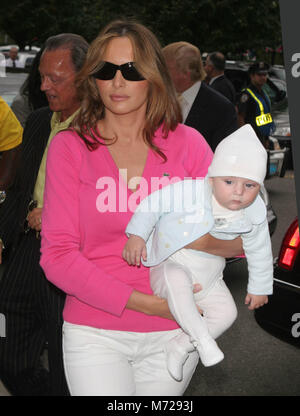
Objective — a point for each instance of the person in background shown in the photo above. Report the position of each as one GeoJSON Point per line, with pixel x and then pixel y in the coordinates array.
{"type": "Point", "coordinates": [10, 139]}
{"type": "Point", "coordinates": [214, 68]}
{"type": "Point", "coordinates": [254, 105]}
{"type": "Point", "coordinates": [31, 305]}
{"type": "Point", "coordinates": [30, 96]}
{"type": "Point", "coordinates": [202, 107]}
{"type": "Point", "coordinates": [13, 61]}
{"type": "Point", "coordinates": [126, 141]}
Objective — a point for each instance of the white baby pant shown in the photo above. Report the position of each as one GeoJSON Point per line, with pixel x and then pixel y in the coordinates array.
{"type": "Point", "coordinates": [173, 280]}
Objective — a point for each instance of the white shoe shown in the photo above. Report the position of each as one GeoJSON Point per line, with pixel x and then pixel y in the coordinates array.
{"type": "Point", "coordinates": [176, 356]}
{"type": "Point", "coordinates": [209, 352]}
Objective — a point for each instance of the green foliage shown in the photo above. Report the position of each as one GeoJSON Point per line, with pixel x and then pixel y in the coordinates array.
{"type": "Point", "coordinates": [227, 25]}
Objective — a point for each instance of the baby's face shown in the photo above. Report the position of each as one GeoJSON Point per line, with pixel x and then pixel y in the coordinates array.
{"type": "Point", "coordinates": [234, 193]}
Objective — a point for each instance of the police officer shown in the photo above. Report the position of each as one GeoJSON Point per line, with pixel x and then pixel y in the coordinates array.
{"type": "Point", "coordinates": [254, 105]}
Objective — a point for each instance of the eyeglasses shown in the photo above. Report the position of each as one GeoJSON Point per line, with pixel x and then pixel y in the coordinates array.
{"type": "Point", "coordinates": [128, 70]}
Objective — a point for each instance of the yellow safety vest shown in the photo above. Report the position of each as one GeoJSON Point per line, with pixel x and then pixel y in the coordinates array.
{"type": "Point", "coordinates": [263, 118]}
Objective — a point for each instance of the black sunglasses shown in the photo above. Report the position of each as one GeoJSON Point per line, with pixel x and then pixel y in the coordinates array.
{"type": "Point", "coordinates": [128, 70]}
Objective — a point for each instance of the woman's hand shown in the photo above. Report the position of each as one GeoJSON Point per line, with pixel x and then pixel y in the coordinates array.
{"type": "Point", "coordinates": [222, 248]}
{"type": "Point", "coordinates": [152, 304]}
{"type": "Point", "coordinates": [34, 219]}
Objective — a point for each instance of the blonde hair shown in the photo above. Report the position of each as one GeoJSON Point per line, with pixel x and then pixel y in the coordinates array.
{"type": "Point", "coordinates": [187, 57]}
{"type": "Point", "coordinates": [162, 106]}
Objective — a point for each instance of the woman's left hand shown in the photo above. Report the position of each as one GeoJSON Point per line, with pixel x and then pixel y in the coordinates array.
{"type": "Point", "coordinates": [34, 219]}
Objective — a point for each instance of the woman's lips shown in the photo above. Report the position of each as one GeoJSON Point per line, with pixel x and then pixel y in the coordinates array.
{"type": "Point", "coordinates": [116, 97]}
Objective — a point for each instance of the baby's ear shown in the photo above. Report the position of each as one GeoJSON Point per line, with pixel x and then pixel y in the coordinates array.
{"type": "Point", "coordinates": [211, 181]}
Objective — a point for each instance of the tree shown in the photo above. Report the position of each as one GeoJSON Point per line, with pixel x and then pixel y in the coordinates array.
{"type": "Point", "coordinates": [227, 25]}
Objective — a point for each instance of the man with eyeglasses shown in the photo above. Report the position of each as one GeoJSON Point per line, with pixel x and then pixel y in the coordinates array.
{"type": "Point", "coordinates": [31, 305]}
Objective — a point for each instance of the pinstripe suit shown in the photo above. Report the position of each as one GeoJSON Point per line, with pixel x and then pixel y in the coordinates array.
{"type": "Point", "coordinates": [31, 305]}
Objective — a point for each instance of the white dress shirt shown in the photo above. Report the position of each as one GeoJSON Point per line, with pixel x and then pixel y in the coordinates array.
{"type": "Point", "coordinates": [18, 64]}
{"type": "Point", "coordinates": [187, 98]}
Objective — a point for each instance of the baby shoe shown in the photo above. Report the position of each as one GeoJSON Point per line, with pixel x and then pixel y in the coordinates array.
{"type": "Point", "coordinates": [209, 352]}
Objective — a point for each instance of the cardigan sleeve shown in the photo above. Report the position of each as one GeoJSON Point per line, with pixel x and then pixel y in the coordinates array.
{"type": "Point", "coordinates": [61, 256]}
{"type": "Point", "coordinates": [258, 251]}
{"type": "Point", "coordinates": [151, 209]}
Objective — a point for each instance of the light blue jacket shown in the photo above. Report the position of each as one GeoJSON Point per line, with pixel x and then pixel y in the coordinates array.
{"type": "Point", "coordinates": [180, 213]}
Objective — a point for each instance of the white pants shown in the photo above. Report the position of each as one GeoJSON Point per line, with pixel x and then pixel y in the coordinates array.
{"type": "Point", "coordinates": [174, 281]}
{"type": "Point", "coordinates": [101, 362]}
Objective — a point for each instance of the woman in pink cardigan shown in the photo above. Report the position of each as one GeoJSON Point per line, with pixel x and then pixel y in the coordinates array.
{"type": "Point", "coordinates": [125, 143]}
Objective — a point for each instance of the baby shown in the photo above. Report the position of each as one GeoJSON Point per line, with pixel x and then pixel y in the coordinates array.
{"type": "Point", "coordinates": [226, 204]}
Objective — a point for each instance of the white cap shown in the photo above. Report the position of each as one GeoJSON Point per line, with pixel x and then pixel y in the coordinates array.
{"type": "Point", "coordinates": [240, 154]}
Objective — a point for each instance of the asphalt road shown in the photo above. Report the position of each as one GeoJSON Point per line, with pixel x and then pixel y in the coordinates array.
{"type": "Point", "coordinates": [256, 363]}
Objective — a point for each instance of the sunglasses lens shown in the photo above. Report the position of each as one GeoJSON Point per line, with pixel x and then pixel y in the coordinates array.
{"type": "Point", "coordinates": [107, 72]}
{"type": "Point", "coordinates": [130, 73]}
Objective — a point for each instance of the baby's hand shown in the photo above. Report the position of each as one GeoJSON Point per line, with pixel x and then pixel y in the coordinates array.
{"type": "Point", "coordinates": [134, 249]}
{"type": "Point", "coordinates": [255, 301]}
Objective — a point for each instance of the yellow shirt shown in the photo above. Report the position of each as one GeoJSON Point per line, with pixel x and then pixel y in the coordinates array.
{"type": "Point", "coordinates": [56, 126]}
{"type": "Point", "coordinates": [11, 130]}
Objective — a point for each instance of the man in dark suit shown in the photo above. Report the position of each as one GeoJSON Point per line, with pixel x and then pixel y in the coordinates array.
{"type": "Point", "coordinates": [32, 307]}
{"type": "Point", "coordinates": [202, 107]}
{"type": "Point", "coordinates": [214, 68]}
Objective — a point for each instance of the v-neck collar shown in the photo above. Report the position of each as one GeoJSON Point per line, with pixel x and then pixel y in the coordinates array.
{"type": "Point", "coordinates": [116, 171]}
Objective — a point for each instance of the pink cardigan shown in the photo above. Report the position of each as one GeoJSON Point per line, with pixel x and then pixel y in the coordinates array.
{"type": "Point", "coordinates": [87, 207]}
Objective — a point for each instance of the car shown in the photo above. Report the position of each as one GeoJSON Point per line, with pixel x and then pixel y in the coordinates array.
{"type": "Point", "coordinates": [237, 72]}
{"type": "Point", "coordinates": [25, 60]}
{"type": "Point", "coordinates": [281, 315]}
{"type": "Point", "coordinates": [277, 71]}
{"type": "Point", "coordinates": [10, 85]}
{"type": "Point", "coordinates": [6, 48]}
{"type": "Point", "coordinates": [281, 155]}
{"type": "Point", "coordinates": [283, 135]}
{"type": "Point", "coordinates": [25, 57]}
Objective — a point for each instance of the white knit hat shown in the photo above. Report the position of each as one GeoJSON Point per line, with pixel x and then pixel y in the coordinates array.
{"type": "Point", "coordinates": [240, 154]}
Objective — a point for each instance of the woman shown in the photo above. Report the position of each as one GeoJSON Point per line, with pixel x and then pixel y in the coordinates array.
{"type": "Point", "coordinates": [125, 143]}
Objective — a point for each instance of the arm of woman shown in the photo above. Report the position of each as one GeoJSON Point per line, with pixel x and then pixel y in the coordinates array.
{"type": "Point", "coordinates": [223, 248]}
{"type": "Point", "coordinates": [62, 259]}
{"type": "Point", "coordinates": [149, 304]}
